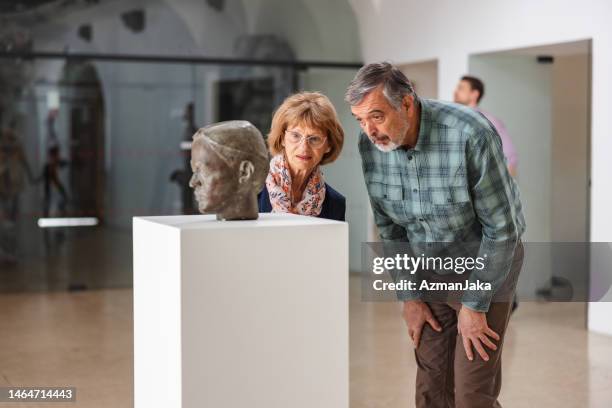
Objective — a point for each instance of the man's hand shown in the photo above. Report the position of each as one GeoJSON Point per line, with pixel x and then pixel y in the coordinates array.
{"type": "Point", "coordinates": [472, 326]}
{"type": "Point", "coordinates": [416, 314]}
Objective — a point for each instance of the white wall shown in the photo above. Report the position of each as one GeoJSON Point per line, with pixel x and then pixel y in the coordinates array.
{"type": "Point", "coordinates": [410, 30]}
{"type": "Point", "coordinates": [315, 29]}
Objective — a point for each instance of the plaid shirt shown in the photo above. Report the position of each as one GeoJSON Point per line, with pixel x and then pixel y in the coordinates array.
{"type": "Point", "coordinates": [452, 187]}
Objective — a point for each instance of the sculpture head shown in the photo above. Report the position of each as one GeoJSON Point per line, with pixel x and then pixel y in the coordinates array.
{"type": "Point", "coordinates": [230, 164]}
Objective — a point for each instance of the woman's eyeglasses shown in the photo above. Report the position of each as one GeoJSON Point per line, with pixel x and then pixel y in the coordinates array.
{"type": "Point", "coordinates": [313, 141]}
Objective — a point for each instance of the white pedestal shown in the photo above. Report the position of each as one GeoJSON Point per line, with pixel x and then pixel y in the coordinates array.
{"type": "Point", "coordinates": [240, 313]}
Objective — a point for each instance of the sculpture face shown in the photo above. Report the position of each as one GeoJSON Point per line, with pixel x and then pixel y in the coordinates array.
{"type": "Point", "coordinates": [212, 179]}
{"type": "Point", "coordinates": [230, 164]}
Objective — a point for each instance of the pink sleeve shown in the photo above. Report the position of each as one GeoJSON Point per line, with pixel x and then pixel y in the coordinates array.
{"type": "Point", "coordinates": [507, 145]}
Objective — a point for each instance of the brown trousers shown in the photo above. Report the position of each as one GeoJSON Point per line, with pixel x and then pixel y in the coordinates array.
{"type": "Point", "coordinates": [445, 377]}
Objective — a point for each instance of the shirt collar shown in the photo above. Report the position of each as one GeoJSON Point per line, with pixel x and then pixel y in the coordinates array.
{"type": "Point", "coordinates": [424, 125]}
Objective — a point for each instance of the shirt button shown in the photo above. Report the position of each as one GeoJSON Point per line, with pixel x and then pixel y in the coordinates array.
{"type": "Point", "coordinates": [409, 157]}
{"type": "Point", "coordinates": [415, 191]}
{"type": "Point", "coordinates": [421, 219]}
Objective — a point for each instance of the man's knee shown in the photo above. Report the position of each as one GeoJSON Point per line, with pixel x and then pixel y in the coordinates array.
{"type": "Point", "coordinates": [477, 382]}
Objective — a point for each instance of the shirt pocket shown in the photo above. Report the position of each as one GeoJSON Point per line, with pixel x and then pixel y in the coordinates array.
{"type": "Point", "coordinates": [388, 195]}
{"type": "Point", "coordinates": [385, 188]}
{"type": "Point", "coordinates": [452, 208]}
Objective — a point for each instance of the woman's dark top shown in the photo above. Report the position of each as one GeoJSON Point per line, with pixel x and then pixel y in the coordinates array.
{"type": "Point", "coordinates": [334, 204]}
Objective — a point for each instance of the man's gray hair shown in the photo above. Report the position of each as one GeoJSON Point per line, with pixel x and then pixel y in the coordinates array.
{"type": "Point", "coordinates": [395, 85]}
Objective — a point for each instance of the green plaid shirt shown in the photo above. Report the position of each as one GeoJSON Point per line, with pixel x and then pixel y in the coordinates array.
{"type": "Point", "coordinates": [452, 187]}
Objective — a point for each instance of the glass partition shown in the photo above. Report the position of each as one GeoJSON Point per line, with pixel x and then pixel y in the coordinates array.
{"type": "Point", "coordinates": [87, 145]}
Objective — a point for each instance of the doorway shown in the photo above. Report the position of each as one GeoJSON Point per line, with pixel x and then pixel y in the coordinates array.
{"type": "Point", "coordinates": [424, 77]}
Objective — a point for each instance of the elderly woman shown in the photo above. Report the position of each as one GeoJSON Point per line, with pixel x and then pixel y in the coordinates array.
{"type": "Point", "coordinates": [305, 135]}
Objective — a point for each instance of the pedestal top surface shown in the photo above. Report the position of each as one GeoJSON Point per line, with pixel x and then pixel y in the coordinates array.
{"type": "Point", "coordinates": [209, 221]}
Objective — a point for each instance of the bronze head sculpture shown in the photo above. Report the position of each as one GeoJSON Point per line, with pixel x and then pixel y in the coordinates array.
{"type": "Point", "coordinates": [230, 163]}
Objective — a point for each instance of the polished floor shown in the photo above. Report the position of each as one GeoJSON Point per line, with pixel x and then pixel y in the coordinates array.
{"type": "Point", "coordinates": [80, 339]}
{"type": "Point", "coordinates": [85, 339]}
{"type": "Point", "coordinates": [550, 360]}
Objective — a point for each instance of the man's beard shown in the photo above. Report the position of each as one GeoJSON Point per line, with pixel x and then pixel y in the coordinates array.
{"type": "Point", "coordinates": [389, 147]}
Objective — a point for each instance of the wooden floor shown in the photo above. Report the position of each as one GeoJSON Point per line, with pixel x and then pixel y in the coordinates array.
{"type": "Point", "coordinates": [85, 340]}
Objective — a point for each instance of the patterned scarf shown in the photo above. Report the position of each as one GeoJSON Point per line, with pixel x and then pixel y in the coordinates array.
{"type": "Point", "coordinates": [278, 183]}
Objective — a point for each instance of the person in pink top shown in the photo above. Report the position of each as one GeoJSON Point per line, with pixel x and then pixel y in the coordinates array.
{"type": "Point", "coordinates": [469, 92]}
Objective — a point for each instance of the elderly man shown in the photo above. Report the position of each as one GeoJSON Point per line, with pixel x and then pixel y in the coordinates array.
{"type": "Point", "coordinates": [435, 173]}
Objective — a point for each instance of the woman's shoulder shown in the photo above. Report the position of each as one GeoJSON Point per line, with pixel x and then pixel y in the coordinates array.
{"type": "Point", "coordinates": [334, 206]}
{"type": "Point", "coordinates": [333, 194]}
{"type": "Point", "coordinates": [263, 200]}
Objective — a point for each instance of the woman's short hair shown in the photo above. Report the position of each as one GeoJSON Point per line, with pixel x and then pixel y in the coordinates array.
{"type": "Point", "coordinates": [311, 109]}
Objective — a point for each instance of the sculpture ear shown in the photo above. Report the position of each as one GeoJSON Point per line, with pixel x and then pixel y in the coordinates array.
{"type": "Point", "coordinates": [246, 170]}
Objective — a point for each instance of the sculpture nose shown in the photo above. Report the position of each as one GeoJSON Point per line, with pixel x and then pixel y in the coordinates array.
{"type": "Point", "coordinates": [194, 182]}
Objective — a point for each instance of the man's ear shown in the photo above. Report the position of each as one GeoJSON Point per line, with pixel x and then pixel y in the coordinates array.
{"type": "Point", "coordinates": [407, 102]}
{"type": "Point", "coordinates": [245, 171]}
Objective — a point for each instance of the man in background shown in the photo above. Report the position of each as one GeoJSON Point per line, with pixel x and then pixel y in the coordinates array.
{"type": "Point", "coordinates": [469, 92]}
